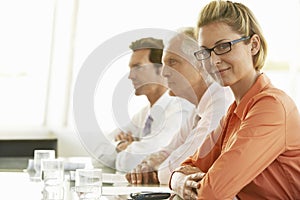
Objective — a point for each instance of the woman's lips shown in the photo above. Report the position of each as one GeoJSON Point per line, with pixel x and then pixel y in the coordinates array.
{"type": "Point", "coordinates": [221, 71]}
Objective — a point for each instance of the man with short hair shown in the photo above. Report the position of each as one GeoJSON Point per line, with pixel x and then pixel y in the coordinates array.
{"type": "Point", "coordinates": [154, 125]}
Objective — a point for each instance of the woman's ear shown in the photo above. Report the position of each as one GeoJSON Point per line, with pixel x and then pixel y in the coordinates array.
{"type": "Point", "coordinates": [255, 44]}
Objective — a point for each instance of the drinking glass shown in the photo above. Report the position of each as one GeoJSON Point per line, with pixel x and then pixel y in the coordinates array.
{"type": "Point", "coordinates": [88, 184]}
{"type": "Point", "coordinates": [53, 192]}
{"type": "Point", "coordinates": [38, 156]}
{"type": "Point", "coordinates": [52, 171]}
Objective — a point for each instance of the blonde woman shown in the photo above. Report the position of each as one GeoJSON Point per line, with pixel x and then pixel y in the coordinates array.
{"type": "Point", "coordinates": [255, 152]}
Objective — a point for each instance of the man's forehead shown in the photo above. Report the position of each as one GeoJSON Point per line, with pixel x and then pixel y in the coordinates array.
{"type": "Point", "coordinates": [169, 54]}
{"type": "Point", "coordinates": [175, 52]}
{"type": "Point", "coordinates": [141, 52]}
{"type": "Point", "coordinates": [173, 48]}
{"type": "Point", "coordinates": [138, 56]}
{"type": "Point", "coordinates": [174, 44]}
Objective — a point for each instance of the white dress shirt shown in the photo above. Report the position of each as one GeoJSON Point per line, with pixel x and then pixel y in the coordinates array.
{"type": "Point", "coordinates": [169, 114]}
{"type": "Point", "coordinates": [212, 106]}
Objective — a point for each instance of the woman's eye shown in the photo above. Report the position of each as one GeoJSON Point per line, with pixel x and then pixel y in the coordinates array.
{"type": "Point", "coordinates": [222, 47]}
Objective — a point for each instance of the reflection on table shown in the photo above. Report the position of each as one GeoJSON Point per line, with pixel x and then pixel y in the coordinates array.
{"type": "Point", "coordinates": [16, 184]}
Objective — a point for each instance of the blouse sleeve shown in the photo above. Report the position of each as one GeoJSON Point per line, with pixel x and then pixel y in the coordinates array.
{"type": "Point", "coordinates": [254, 145]}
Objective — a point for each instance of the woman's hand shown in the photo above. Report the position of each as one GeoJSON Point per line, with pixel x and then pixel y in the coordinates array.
{"type": "Point", "coordinates": [185, 181]}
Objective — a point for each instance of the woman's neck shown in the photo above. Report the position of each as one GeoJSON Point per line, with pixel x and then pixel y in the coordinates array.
{"type": "Point", "coordinates": [240, 88]}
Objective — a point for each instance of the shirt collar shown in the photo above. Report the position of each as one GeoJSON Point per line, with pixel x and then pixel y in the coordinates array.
{"type": "Point", "coordinates": [213, 90]}
{"type": "Point", "coordinates": [160, 105]}
{"type": "Point", "coordinates": [261, 82]}
{"type": "Point", "coordinates": [163, 100]}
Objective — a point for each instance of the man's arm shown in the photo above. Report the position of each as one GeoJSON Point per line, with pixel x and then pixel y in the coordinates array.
{"type": "Point", "coordinates": [146, 171]}
{"type": "Point", "coordinates": [137, 151]}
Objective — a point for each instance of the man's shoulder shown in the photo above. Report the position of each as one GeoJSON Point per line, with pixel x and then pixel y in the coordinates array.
{"type": "Point", "coordinates": [180, 104]}
{"type": "Point", "coordinates": [219, 93]}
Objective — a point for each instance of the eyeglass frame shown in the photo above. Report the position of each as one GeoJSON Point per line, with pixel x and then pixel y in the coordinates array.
{"type": "Point", "coordinates": [213, 48]}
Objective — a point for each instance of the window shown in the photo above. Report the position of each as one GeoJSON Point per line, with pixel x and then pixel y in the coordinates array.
{"type": "Point", "coordinates": [45, 43]}
{"type": "Point", "coordinates": [26, 30]}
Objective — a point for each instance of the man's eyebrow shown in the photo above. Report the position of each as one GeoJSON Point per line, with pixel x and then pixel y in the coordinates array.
{"type": "Point", "coordinates": [135, 64]}
{"type": "Point", "coordinates": [169, 57]}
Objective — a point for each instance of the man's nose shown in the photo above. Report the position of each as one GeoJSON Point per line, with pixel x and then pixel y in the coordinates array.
{"type": "Point", "coordinates": [166, 72]}
{"type": "Point", "coordinates": [131, 74]}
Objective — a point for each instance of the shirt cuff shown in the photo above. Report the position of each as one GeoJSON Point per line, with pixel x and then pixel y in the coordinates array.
{"type": "Point", "coordinates": [186, 170]}
{"type": "Point", "coordinates": [180, 170]}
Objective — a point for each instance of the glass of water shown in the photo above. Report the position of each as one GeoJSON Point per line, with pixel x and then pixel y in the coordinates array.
{"type": "Point", "coordinates": [52, 171]}
{"type": "Point", "coordinates": [38, 156]}
{"type": "Point", "coordinates": [88, 184]}
{"type": "Point", "coordinates": [53, 176]}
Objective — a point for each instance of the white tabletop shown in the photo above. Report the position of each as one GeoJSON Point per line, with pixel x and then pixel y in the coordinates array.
{"type": "Point", "coordinates": [17, 185]}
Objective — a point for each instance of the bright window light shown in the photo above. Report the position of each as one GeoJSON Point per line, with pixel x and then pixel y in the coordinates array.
{"type": "Point", "coordinates": [39, 42]}
{"type": "Point", "coordinates": [26, 28]}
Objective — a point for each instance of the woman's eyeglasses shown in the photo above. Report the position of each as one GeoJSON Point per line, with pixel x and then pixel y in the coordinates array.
{"type": "Point", "coordinates": [219, 49]}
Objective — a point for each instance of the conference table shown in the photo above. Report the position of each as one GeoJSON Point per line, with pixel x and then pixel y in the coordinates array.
{"type": "Point", "coordinates": [16, 184]}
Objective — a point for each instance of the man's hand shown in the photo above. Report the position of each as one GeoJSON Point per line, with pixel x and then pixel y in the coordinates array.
{"type": "Point", "coordinates": [124, 137]}
{"type": "Point", "coordinates": [122, 146]}
{"type": "Point", "coordinates": [143, 174]}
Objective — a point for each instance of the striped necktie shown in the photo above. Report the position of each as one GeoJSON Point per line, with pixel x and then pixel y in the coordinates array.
{"type": "Point", "coordinates": [147, 127]}
{"type": "Point", "coordinates": [196, 120]}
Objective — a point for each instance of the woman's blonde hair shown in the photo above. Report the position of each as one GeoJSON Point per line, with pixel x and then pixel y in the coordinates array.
{"type": "Point", "coordinates": [240, 18]}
